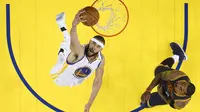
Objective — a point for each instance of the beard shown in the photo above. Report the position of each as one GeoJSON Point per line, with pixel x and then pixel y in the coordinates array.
{"type": "Point", "coordinates": [90, 52]}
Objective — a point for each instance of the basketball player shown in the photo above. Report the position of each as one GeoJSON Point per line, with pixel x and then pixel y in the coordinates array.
{"type": "Point", "coordinates": [77, 62]}
{"type": "Point", "coordinates": [174, 86]}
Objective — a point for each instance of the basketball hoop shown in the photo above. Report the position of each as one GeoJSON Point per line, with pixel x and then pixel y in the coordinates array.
{"type": "Point", "coordinates": [113, 19]}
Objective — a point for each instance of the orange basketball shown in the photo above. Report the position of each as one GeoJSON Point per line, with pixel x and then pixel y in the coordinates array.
{"type": "Point", "coordinates": [92, 16]}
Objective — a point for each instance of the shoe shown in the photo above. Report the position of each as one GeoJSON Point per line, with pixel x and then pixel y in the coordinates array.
{"type": "Point", "coordinates": [60, 20]}
{"type": "Point", "coordinates": [177, 50]}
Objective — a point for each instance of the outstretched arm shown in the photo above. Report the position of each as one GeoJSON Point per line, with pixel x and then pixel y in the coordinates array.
{"type": "Point", "coordinates": [96, 85]}
{"type": "Point", "coordinates": [154, 82]}
{"type": "Point", "coordinates": [75, 45]}
{"type": "Point", "coordinates": [147, 94]}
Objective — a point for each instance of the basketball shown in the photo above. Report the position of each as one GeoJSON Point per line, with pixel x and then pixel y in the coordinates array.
{"type": "Point", "coordinates": [92, 16]}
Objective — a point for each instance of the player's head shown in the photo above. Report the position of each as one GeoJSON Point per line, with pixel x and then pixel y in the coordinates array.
{"type": "Point", "coordinates": [184, 88]}
{"type": "Point", "coordinates": [95, 45]}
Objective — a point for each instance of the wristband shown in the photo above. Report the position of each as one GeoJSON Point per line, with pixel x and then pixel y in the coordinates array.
{"type": "Point", "coordinates": [148, 90]}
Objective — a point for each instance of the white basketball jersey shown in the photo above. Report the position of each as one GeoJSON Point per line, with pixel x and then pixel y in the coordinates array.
{"type": "Point", "coordinates": [75, 73]}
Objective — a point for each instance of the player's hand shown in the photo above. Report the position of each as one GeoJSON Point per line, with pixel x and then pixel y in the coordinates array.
{"type": "Point", "coordinates": [79, 17]}
{"type": "Point", "coordinates": [145, 96]}
{"type": "Point", "coordinates": [87, 108]}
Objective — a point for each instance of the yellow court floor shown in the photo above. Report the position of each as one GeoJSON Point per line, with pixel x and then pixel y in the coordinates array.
{"type": "Point", "coordinates": [131, 56]}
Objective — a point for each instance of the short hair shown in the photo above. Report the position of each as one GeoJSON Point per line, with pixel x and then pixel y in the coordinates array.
{"type": "Point", "coordinates": [190, 89]}
{"type": "Point", "coordinates": [100, 38]}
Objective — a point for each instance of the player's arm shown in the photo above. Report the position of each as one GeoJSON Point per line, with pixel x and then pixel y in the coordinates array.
{"type": "Point", "coordinates": [179, 104]}
{"type": "Point", "coordinates": [172, 75]}
{"type": "Point", "coordinates": [75, 45]}
{"type": "Point", "coordinates": [97, 82]}
{"type": "Point", "coordinates": [154, 82]}
{"type": "Point", "coordinates": [147, 94]}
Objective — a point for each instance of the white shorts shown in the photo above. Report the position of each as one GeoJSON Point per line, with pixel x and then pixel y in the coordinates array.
{"type": "Point", "coordinates": [59, 70]}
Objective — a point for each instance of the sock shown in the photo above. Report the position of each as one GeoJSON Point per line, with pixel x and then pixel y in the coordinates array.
{"type": "Point", "coordinates": [60, 19]}
{"type": "Point", "coordinates": [176, 58]}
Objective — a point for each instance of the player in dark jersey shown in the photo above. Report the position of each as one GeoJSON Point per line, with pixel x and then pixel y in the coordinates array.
{"type": "Point", "coordinates": [174, 86]}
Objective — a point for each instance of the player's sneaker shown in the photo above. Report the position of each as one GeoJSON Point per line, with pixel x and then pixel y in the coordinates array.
{"type": "Point", "coordinates": [60, 20]}
{"type": "Point", "coordinates": [177, 50]}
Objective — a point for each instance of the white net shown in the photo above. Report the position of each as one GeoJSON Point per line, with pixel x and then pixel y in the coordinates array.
{"type": "Point", "coordinates": [113, 17]}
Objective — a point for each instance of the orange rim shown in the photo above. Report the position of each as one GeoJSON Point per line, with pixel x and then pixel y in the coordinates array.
{"type": "Point", "coordinates": [122, 28]}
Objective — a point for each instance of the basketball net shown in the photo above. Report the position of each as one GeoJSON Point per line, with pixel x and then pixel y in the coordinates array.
{"type": "Point", "coordinates": [113, 17]}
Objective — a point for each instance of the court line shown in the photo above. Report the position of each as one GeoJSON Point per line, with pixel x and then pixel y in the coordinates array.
{"type": "Point", "coordinates": [184, 46]}
{"type": "Point", "coordinates": [185, 32]}
{"type": "Point", "coordinates": [16, 66]}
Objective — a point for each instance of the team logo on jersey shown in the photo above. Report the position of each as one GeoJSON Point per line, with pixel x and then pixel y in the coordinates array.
{"type": "Point", "coordinates": [82, 72]}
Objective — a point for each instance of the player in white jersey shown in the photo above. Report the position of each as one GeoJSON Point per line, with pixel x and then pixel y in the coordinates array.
{"type": "Point", "coordinates": [77, 62]}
